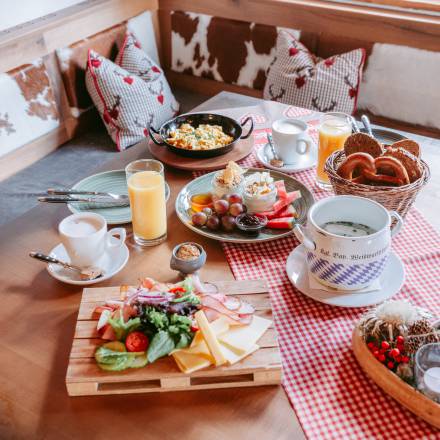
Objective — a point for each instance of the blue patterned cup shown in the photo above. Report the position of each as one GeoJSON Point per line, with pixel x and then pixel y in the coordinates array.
{"type": "Point", "coordinates": [348, 262]}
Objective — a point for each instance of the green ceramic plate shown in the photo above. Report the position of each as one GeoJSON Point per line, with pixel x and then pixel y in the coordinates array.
{"type": "Point", "coordinates": [108, 181]}
{"type": "Point", "coordinates": [201, 185]}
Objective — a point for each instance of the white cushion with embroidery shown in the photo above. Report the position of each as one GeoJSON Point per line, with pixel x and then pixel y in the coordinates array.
{"type": "Point", "coordinates": [132, 97]}
{"type": "Point", "coordinates": [297, 77]}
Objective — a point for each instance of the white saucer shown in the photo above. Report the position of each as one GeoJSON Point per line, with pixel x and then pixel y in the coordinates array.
{"type": "Point", "coordinates": [111, 262]}
{"type": "Point", "coordinates": [305, 161]}
{"type": "Point", "coordinates": [391, 282]}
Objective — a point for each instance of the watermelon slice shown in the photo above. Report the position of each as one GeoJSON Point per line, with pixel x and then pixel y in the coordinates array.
{"type": "Point", "coordinates": [281, 189]}
{"type": "Point", "coordinates": [280, 223]}
{"type": "Point", "coordinates": [281, 203]}
{"type": "Point", "coordinates": [287, 211]}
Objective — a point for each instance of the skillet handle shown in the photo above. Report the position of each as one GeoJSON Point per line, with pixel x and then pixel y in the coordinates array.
{"type": "Point", "coordinates": [151, 132]}
{"type": "Point", "coordinates": [251, 129]}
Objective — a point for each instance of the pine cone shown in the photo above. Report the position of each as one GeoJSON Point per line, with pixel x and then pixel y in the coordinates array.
{"type": "Point", "coordinates": [420, 327]}
{"type": "Point", "coordinates": [420, 333]}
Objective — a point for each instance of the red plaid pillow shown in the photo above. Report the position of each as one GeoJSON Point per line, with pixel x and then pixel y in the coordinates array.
{"type": "Point", "coordinates": [299, 78]}
{"type": "Point", "coordinates": [129, 103]}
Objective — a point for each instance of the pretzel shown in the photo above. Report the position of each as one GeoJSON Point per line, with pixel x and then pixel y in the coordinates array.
{"type": "Point", "coordinates": [368, 169]}
{"type": "Point", "coordinates": [360, 161]}
{"type": "Point", "coordinates": [394, 165]}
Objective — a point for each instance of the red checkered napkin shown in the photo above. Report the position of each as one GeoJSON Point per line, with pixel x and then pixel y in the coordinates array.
{"type": "Point", "coordinates": [298, 77]}
{"type": "Point", "coordinates": [332, 397]}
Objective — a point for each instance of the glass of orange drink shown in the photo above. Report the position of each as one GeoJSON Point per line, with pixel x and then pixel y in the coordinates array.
{"type": "Point", "coordinates": [334, 129]}
{"type": "Point", "coordinates": [146, 190]}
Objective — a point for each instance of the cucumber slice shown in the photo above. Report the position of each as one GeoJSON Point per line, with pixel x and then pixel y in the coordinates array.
{"type": "Point", "coordinates": [115, 346]}
{"type": "Point", "coordinates": [139, 361]}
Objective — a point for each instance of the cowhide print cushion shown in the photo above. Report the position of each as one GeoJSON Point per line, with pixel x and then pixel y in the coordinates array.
{"type": "Point", "coordinates": [231, 51]}
{"type": "Point", "coordinates": [297, 77]}
{"type": "Point", "coordinates": [128, 103]}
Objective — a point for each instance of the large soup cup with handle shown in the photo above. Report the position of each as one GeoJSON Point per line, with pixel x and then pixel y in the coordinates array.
{"type": "Point", "coordinates": [353, 262]}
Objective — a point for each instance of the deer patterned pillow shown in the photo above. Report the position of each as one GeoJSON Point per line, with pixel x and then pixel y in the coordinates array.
{"type": "Point", "coordinates": [297, 77]}
{"type": "Point", "coordinates": [128, 103]}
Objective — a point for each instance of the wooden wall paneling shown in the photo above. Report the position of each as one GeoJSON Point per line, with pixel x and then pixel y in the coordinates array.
{"type": "Point", "coordinates": [358, 22]}
{"type": "Point", "coordinates": [165, 37]}
{"type": "Point", "coordinates": [27, 42]}
{"type": "Point", "coordinates": [207, 86]}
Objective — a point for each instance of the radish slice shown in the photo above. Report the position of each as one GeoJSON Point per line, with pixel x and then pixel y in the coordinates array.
{"type": "Point", "coordinates": [202, 287]}
{"type": "Point", "coordinates": [246, 319]}
{"type": "Point", "coordinates": [246, 309]}
{"type": "Point", "coordinates": [233, 303]}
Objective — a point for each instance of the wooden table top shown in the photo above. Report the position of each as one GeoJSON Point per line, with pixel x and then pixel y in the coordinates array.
{"type": "Point", "coordinates": [37, 321]}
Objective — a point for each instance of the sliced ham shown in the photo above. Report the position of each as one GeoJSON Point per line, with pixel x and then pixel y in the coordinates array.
{"type": "Point", "coordinates": [235, 318]}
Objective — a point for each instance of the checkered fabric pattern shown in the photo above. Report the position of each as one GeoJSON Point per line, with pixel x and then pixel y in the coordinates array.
{"type": "Point", "coordinates": [299, 78]}
{"type": "Point", "coordinates": [132, 97]}
{"type": "Point", "coordinates": [331, 395]}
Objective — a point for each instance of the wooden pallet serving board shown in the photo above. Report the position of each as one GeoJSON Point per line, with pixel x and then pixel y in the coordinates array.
{"type": "Point", "coordinates": [84, 377]}
{"type": "Point", "coordinates": [393, 385]}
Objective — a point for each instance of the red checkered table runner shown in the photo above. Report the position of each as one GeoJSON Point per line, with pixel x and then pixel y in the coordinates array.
{"type": "Point", "coordinates": [332, 397]}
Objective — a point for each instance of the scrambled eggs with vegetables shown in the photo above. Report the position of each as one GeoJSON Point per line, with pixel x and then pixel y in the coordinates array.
{"type": "Point", "coordinates": [204, 137]}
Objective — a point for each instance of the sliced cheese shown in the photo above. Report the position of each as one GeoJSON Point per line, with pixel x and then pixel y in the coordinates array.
{"type": "Point", "coordinates": [241, 339]}
{"type": "Point", "coordinates": [220, 325]}
{"type": "Point", "coordinates": [232, 357]}
{"type": "Point", "coordinates": [198, 347]}
{"type": "Point", "coordinates": [210, 338]}
{"type": "Point", "coordinates": [188, 363]}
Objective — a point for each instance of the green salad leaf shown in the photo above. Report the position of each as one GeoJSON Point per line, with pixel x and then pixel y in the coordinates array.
{"type": "Point", "coordinates": [110, 360]}
{"type": "Point", "coordinates": [122, 328]}
{"type": "Point", "coordinates": [161, 345]}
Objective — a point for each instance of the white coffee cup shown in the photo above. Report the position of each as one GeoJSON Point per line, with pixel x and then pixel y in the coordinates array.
{"type": "Point", "coordinates": [348, 262]}
{"type": "Point", "coordinates": [86, 239]}
{"type": "Point", "coordinates": [291, 140]}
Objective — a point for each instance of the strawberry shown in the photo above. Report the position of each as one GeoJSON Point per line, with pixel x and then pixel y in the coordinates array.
{"type": "Point", "coordinates": [160, 98]}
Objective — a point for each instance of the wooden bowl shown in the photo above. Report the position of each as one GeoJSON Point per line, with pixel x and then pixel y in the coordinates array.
{"type": "Point", "coordinates": [393, 385]}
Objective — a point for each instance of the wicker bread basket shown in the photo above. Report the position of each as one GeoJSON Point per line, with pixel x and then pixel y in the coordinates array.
{"type": "Point", "coordinates": [398, 199]}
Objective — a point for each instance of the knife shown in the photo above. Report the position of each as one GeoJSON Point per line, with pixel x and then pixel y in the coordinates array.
{"type": "Point", "coordinates": [103, 202]}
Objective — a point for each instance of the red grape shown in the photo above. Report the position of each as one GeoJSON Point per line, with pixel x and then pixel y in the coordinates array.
{"type": "Point", "coordinates": [234, 198]}
{"type": "Point", "coordinates": [213, 223]}
{"type": "Point", "coordinates": [199, 219]}
{"type": "Point", "coordinates": [207, 211]}
{"type": "Point", "coordinates": [236, 209]}
{"type": "Point", "coordinates": [221, 207]}
{"type": "Point", "coordinates": [228, 223]}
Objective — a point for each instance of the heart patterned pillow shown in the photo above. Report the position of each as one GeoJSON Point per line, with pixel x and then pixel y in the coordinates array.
{"type": "Point", "coordinates": [299, 78]}
{"type": "Point", "coordinates": [129, 97]}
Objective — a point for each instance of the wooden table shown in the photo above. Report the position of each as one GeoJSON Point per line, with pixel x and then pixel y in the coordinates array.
{"type": "Point", "coordinates": [37, 320]}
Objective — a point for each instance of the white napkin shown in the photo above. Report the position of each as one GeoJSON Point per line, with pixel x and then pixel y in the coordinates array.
{"type": "Point", "coordinates": [316, 285]}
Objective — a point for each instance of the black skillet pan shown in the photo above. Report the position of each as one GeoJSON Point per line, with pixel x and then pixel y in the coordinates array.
{"type": "Point", "coordinates": [230, 127]}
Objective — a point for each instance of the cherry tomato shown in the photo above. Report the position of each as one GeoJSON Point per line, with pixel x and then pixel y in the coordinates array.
{"type": "Point", "coordinates": [136, 341]}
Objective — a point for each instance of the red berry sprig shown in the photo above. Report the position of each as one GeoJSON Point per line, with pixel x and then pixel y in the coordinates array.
{"type": "Point", "coordinates": [388, 353]}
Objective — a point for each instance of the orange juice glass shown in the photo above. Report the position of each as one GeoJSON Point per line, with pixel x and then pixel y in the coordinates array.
{"type": "Point", "coordinates": [335, 127]}
{"type": "Point", "coordinates": [146, 190]}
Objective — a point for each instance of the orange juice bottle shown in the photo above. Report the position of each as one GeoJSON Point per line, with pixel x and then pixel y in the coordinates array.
{"type": "Point", "coordinates": [146, 190]}
{"type": "Point", "coordinates": [333, 131]}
